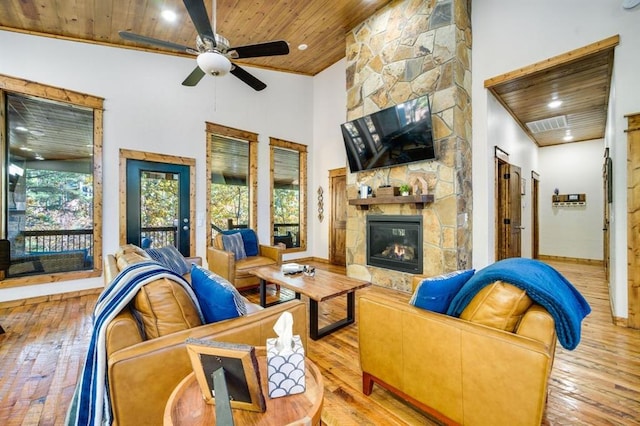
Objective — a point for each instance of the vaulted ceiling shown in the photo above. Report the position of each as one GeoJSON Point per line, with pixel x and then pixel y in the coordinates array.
{"type": "Point", "coordinates": [580, 79]}
{"type": "Point", "coordinates": [319, 24]}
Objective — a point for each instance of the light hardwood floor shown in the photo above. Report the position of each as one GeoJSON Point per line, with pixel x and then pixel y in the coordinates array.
{"type": "Point", "coordinates": [596, 384]}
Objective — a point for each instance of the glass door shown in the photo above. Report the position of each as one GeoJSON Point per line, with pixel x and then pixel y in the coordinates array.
{"type": "Point", "coordinates": [158, 205]}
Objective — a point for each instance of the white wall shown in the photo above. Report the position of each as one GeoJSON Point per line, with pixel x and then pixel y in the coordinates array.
{"type": "Point", "coordinates": [573, 169]}
{"type": "Point", "coordinates": [147, 109]}
{"type": "Point", "coordinates": [329, 111]}
{"type": "Point", "coordinates": [509, 35]}
{"type": "Point", "coordinates": [504, 133]}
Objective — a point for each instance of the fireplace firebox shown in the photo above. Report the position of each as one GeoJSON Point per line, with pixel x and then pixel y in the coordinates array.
{"type": "Point", "coordinates": [395, 242]}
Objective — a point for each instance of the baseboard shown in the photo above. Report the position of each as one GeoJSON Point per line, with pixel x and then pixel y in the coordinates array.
{"type": "Point", "coordinates": [49, 298]}
{"type": "Point", "coordinates": [578, 260]}
{"type": "Point", "coordinates": [308, 259]}
{"type": "Point", "coordinates": [621, 322]}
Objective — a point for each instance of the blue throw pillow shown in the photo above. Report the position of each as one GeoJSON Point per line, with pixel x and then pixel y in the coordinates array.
{"type": "Point", "coordinates": [234, 244]}
{"type": "Point", "coordinates": [249, 239]}
{"type": "Point", "coordinates": [218, 298]}
{"type": "Point", "coordinates": [170, 258]}
{"type": "Point", "coordinates": [435, 293]}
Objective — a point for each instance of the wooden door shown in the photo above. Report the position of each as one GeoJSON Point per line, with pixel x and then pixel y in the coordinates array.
{"type": "Point", "coordinates": [338, 217]}
{"type": "Point", "coordinates": [535, 227]}
{"type": "Point", "coordinates": [508, 211]}
{"type": "Point", "coordinates": [633, 218]}
{"type": "Point", "coordinates": [607, 179]}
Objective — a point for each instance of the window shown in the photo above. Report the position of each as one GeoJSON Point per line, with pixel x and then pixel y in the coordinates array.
{"type": "Point", "coordinates": [50, 142]}
{"type": "Point", "coordinates": [288, 194]}
{"type": "Point", "coordinates": [232, 184]}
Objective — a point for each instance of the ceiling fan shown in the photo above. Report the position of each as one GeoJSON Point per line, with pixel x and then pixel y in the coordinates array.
{"type": "Point", "coordinates": [213, 50]}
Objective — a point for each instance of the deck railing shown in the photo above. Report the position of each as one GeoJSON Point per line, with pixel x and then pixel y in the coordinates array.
{"type": "Point", "coordinates": [59, 240]}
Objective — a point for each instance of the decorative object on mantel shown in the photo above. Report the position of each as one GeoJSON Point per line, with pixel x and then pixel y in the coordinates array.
{"type": "Point", "coordinates": [320, 204]}
{"type": "Point", "coordinates": [420, 186]}
{"type": "Point", "coordinates": [387, 191]}
{"type": "Point", "coordinates": [569, 200]}
{"type": "Point", "coordinates": [418, 200]}
{"type": "Point", "coordinates": [404, 189]}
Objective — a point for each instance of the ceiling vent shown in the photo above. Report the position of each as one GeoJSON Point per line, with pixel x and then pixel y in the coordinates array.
{"type": "Point", "coordinates": [553, 123]}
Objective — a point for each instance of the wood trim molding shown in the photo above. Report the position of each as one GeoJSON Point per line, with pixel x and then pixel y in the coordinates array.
{"type": "Point", "coordinates": [27, 87]}
{"type": "Point", "coordinates": [500, 154]}
{"type": "Point", "coordinates": [126, 154]}
{"type": "Point", "coordinates": [573, 55]}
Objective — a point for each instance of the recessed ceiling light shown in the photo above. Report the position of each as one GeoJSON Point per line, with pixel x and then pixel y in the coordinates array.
{"type": "Point", "coordinates": [554, 104]}
{"type": "Point", "coordinates": [169, 15]}
{"type": "Point", "coordinates": [21, 129]}
{"type": "Point", "coordinates": [567, 138]}
{"type": "Point", "coordinates": [25, 148]}
{"type": "Point", "coordinates": [302, 46]}
{"type": "Point", "coordinates": [36, 132]}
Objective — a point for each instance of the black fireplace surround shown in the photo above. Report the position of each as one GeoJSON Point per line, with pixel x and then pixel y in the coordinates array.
{"type": "Point", "coordinates": [395, 242]}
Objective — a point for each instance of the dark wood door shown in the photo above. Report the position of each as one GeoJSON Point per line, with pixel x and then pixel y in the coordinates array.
{"type": "Point", "coordinates": [338, 218]}
{"type": "Point", "coordinates": [535, 225]}
{"type": "Point", "coordinates": [509, 211]}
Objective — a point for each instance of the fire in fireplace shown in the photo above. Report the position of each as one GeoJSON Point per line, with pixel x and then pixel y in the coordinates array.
{"type": "Point", "coordinates": [395, 242]}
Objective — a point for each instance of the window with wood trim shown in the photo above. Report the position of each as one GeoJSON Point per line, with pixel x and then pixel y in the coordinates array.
{"type": "Point", "coordinates": [232, 164]}
{"type": "Point", "coordinates": [52, 184]}
{"type": "Point", "coordinates": [288, 194]}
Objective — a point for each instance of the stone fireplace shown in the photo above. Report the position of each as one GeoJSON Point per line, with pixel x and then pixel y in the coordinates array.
{"type": "Point", "coordinates": [406, 50]}
{"type": "Point", "coordinates": [395, 242]}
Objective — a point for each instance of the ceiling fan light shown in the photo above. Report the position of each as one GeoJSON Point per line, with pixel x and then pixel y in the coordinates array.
{"type": "Point", "coordinates": [214, 63]}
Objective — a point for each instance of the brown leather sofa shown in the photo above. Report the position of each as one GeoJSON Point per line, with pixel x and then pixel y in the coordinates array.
{"type": "Point", "coordinates": [224, 263]}
{"type": "Point", "coordinates": [145, 366]}
{"type": "Point", "coordinates": [458, 370]}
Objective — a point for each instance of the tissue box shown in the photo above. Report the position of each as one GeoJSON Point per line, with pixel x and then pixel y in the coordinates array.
{"type": "Point", "coordinates": [285, 372]}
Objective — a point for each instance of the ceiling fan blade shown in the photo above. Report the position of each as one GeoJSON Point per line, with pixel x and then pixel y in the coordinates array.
{"type": "Point", "coordinates": [154, 41]}
{"type": "Point", "coordinates": [198, 13]}
{"type": "Point", "coordinates": [193, 78]}
{"type": "Point", "coordinates": [271, 48]}
{"type": "Point", "coordinates": [247, 78]}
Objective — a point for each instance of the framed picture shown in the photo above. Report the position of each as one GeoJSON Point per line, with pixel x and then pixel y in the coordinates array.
{"type": "Point", "coordinates": [241, 372]}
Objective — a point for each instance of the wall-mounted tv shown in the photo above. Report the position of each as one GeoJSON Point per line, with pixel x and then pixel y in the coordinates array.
{"type": "Point", "coordinates": [397, 135]}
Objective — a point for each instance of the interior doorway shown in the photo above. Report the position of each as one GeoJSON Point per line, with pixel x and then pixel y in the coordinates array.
{"type": "Point", "coordinates": [338, 218]}
{"type": "Point", "coordinates": [156, 205]}
{"type": "Point", "coordinates": [508, 207]}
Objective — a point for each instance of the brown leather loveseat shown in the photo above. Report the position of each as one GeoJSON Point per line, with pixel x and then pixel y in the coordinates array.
{"type": "Point", "coordinates": [459, 370]}
{"type": "Point", "coordinates": [145, 366]}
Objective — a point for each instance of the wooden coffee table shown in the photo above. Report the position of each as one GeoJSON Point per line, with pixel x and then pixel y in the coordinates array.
{"type": "Point", "coordinates": [186, 406]}
{"type": "Point", "coordinates": [322, 286]}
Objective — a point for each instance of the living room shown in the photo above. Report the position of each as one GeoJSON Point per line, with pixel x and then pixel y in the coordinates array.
{"type": "Point", "coordinates": [144, 103]}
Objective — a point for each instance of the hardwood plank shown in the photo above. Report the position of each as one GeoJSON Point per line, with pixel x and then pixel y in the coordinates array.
{"type": "Point", "coordinates": [597, 383]}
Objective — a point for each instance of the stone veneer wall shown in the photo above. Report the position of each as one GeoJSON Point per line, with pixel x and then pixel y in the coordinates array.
{"type": "Point", "coordinates": [405, 50]}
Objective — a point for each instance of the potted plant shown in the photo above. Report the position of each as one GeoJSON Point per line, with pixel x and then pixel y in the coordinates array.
{"type": "Point", "coordinates": [404, 189]}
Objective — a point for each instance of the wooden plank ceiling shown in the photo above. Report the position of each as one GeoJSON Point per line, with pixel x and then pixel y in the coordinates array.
{"type": "Point", "coordinates": [318, 24]}
{"type": "Point", "coordinates": [579, 79]}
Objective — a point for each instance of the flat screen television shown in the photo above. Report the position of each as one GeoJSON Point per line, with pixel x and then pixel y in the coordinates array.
{"type": "Point", "coordinates": [397, 135]}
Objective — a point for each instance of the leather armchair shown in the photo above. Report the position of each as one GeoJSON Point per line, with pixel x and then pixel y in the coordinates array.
{"type": "Point", "coordinates": [458, 371]}
{"type": "Point", "coordinates": [224, 263]}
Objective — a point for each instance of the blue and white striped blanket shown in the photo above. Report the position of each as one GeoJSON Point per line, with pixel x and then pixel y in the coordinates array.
{"type": "Point", "coordinates": [91, 404]}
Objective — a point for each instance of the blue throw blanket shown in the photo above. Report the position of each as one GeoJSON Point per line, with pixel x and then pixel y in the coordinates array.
{"type": "Point", "coordinates": [543, 284]}
{"type": "Point", "coordinates": [91, 404]}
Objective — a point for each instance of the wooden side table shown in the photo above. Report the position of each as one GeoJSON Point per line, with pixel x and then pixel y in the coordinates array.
{"type": "Point", "coordinates": [186, 405]}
